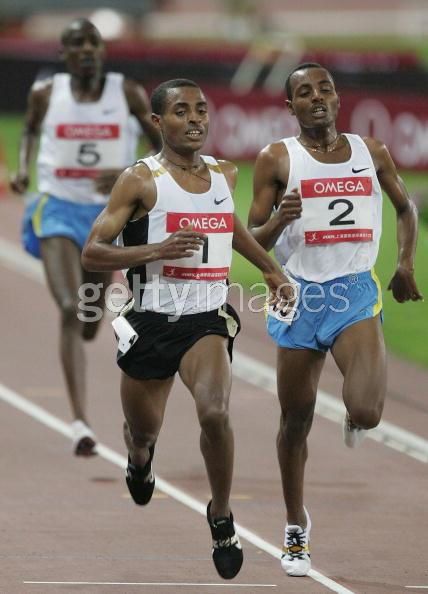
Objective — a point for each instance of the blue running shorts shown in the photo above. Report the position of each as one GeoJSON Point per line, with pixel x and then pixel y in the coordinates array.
{"type": "Point", "coordinates": [326, 309]}
{"type": "Point", "coordinates": [48, 216]}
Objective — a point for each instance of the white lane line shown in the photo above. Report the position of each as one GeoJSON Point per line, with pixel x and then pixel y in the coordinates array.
{"type": "Point", "coordinates": [49, 420]}
{"type": "Point", "coordinates": [264, 377]}
{"type": "Point", "coordinates": [177, 584]}
{"type": "Point", "coordinates": [258, 374]}
{"type": "Point", "coordinates": [417, 587]}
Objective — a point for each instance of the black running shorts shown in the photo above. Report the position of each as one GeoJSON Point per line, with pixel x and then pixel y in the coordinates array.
{"type": "Point", "coordinates": [162, 342]}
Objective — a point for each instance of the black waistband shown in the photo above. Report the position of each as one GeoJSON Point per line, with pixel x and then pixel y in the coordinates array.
{"type": "Point", "coordinates": [202, 316]}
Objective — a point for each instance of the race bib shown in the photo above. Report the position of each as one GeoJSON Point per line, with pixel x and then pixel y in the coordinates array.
{"type": "Point", "coordinates": [82, 150]}
{"type": "Point", "coordinates": [337, 210]}
{"type": "Point", "coordinates": [212, 261]}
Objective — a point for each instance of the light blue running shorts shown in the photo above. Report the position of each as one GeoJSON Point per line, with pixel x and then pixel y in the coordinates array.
{"type": "Point", "coordinates": [326, 309]}
{"type": "Point", "coordinates": [48, 216]}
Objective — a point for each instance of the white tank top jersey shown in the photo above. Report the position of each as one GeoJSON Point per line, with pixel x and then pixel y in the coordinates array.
{"type": "Point", "coordinates": [341, 223]}
{"type": "Point", "coordinates": [80, 139]}
{"type": "Point", "coordinates": [188, 285]}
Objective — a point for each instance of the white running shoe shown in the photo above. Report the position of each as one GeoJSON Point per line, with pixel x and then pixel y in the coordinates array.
{"type": "Point", "coordinates": [84, 440]}
{"type": "Point", "coordinates": [352, 434]}
{"type": "Point", "coordinates": [296, 558]}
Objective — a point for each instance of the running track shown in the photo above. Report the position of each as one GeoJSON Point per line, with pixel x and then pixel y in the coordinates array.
{"type": "Point", "coordinates": [68, 525]}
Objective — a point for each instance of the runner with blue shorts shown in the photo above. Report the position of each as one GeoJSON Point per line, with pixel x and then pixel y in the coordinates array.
{"type": "Point", "coordinates": [318, 202]}
{"type": "Point", "coordinates": [89, 124]}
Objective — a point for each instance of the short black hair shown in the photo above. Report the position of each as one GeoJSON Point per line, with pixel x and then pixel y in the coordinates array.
{"type": "Point", "coordinates": [158, 96]}
{"type": "Point", "coordinates": [303, 66]}
{"type": "Point", "coordinates": [78, 23]}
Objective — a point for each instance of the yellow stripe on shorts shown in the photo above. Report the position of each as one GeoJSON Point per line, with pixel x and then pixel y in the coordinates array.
{"type": "Point", "coordinates": [378, 305]}
{"type": "Point", "coordinates": [266, 308]}
{"type": "Point", "coordinates": [37, 216]}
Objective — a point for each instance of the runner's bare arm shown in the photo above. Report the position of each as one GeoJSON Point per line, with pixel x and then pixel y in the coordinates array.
{"type": "Point", "coordinates": [403, 284]}
{"type": "Point", "coordinates": [38, 100]}
{"type": "Point", "coordinates": [132, 197]}
{"type": "Point", "coordinates": [271, 172]}
{"type": "Point", "coordinates": [139, 106]}
{"type": "Point", "coordinates": [245, 244]}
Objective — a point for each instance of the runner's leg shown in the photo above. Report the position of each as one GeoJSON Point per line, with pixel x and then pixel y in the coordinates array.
{"type": "Point", "coordinates": [359, 352]}
{"type": "Point", "coordinates": [205, 369]}
{"type": "Point", "coordinates": [143, 403]}
{"type": "Point", "coordinates": [61, 260]}
{"type": "Point", "coordinates": [100, 281]}
{"type": "Point", "coordinates": [298, 373]}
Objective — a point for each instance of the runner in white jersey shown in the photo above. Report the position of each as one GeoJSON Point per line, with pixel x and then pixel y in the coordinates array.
{"type": "Point", "coordinates": [318, 202]}
{"type": "Point", "coordinates": [211, 213]}
{"type": "Point", "coordinates": [176, 218]}
{"type": "Point", "coordinates": [89, 124]}
{"type": "Point", "coordinates": [81, 140]}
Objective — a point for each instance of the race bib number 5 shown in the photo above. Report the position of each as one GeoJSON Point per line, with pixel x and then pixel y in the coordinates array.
{"type": "Point", "coordinates": [83, 149]}
{"type": "Point", "coordinates": [337, 209]}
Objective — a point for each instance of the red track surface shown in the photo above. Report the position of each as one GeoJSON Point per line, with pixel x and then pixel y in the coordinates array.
{"type": "Point", "coordinates": [71, 520]}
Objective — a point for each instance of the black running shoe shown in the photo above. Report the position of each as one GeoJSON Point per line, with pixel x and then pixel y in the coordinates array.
{"type": "Point", "coordinates": [227, 550]}
{"type": "Point", "coordinates": [141, 480]}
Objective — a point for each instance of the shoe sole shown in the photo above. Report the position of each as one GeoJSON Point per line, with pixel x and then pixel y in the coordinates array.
{"type": "Point", "coordinates": [294, 571]}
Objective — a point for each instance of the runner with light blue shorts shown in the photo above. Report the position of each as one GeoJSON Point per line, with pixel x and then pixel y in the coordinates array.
{"type": "Point", "coordinates": [89, 125]}
{"type": "Point", "coordinates": [318, 202]}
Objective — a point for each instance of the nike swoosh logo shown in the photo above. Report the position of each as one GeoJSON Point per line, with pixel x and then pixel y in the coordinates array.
{"type": "Point", "coordinates": [359, 170]}
{"type": "Point", "coordinates": [220, 201]}
{"type": "Point", "coordinates": [107, 111]}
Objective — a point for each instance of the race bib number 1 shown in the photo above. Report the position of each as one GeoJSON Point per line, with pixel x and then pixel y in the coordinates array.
{"type": "Point", "coordinates": [212, 262]}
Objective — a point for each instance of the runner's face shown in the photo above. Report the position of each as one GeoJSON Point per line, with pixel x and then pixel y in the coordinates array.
{"type": "Point", "coordinates": [314, 101]}
{"type": "Point", "coordinates": [84, 51]}
{"type": "Point", "coordinates": [184, 124]}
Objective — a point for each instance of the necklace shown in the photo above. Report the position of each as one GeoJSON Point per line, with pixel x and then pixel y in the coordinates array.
{"type": "Point", "coordinates": [188, 169]}
{"type": "Point", "coordinates": [328, 148]}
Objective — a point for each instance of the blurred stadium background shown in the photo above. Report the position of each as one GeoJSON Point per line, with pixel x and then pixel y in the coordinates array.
{"type": "Point", "coordinates": [240, 52]}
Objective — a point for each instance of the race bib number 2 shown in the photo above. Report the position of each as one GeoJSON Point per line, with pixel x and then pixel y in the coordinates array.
{"type": "Point", "coordinates": [337, 210]}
